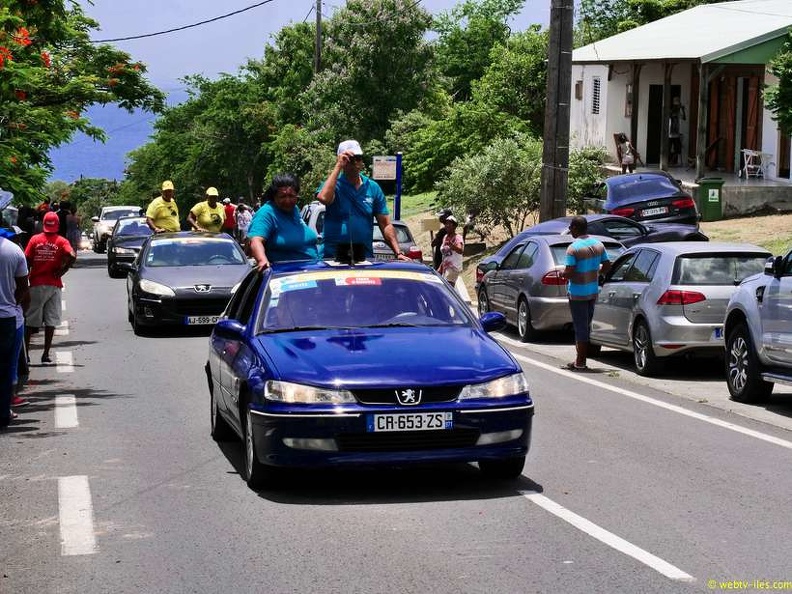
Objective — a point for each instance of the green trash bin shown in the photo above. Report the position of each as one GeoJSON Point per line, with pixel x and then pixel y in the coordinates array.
{"type": "Point", "coordinates": [710, 202]}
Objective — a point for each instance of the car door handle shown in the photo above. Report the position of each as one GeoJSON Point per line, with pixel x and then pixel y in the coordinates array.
{"type": "Point", "coordinates": [636, 296]}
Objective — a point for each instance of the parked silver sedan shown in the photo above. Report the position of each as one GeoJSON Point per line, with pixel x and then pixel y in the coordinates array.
{"type": "Point", "coordinates": [666, 299]}
{"type": "Point", "coordinates": [527, 285]}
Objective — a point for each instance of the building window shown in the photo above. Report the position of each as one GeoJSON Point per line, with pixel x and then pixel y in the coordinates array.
{"type": "Point", "coordinates": [596, 92]}
{"type": "Point", "coordinates": [579, 90]}
{"type": "Point", "coordinates": [628, 101]}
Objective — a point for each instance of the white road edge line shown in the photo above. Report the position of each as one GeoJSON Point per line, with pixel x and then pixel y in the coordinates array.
{"type": "Point", "coordinates": [659, 403]}
{"type": "Point", "coordinates": [75, 513]}
{"type": "Point", "coordinates": [63, 305]}
{"type": "Point", "coordinates": [66, 411]}
{"type": "Point", "coordinates": [64, 361]}
{"type": "Point", "coordinates": [609, 538]}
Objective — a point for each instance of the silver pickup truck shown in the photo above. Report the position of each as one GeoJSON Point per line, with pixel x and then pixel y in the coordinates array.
{"type": "Point", "coordinates": [758, 331]}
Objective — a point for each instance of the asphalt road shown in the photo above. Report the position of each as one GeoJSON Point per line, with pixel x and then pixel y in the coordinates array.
{"type": "Point", "coordinates": [629, 487]}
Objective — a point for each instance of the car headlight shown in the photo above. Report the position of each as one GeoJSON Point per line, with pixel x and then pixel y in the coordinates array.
{"type": "Point", "coordinates": [499, 388]}
{"type": "Point", "coordinates": [278, 391]}
{"type": "Point", "coordinates": [148, 286]}
{"type": "Point", "coordinates": [119, 250]}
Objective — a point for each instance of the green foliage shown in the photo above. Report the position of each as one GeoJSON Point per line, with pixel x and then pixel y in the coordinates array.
{"type": "Point", "coordinates": [50, 72]}
{"type": "Point", "coordinates": [500, 184]}
{"type": "Point", "coordinates": [467, 35]}
{"type": "Point", "coordinates": [778, 98]}
{"type": "Point", "coordinates": [585, 169]}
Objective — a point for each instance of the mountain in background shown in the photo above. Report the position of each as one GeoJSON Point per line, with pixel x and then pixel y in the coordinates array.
{"type": "Point", "coordinates": [84, 157]}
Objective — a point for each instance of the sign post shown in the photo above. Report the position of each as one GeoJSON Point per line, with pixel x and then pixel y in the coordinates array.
{"type": "Point", "coordinates": [389, 168]}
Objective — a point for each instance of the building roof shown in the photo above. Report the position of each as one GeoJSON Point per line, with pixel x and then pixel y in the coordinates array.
{"type": "Point", "coordinates": [704, 33]}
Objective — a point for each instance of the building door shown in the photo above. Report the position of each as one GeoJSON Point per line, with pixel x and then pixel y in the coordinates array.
{"type": "Point", "coordinates": [654, 122]}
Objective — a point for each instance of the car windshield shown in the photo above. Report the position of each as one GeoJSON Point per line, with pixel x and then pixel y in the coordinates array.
{"type": "Point", "coordinates": [359, 299]}
{"type": "Point", "coordinates": [559, 251]}
{"type": "Point", "coordinates": [194, 252]}
{"type": "Point", "coordinates": [639, 187]}
{"type": "Point", "coordinates": [402, 234]}
{"type": "Point", "coordinates": [717, 269]}
{"type": "Point", "coordinates": [114, 215]}
{"type": "Point", "coordinates": [133, 227]}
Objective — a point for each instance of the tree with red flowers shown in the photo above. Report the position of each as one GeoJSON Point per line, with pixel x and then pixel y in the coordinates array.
{"type": "Point", "coordinates": [50, 73]}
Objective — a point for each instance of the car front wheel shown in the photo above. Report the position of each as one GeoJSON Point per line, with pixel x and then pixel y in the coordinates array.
{"type": "Point", "coordinates": [483, 301]}
{"type": "Point", "coordinates": [646, 362]}
{"type": "Point", "coordinates": [742, 369]}
{"type": "Point", "coordinates": [257, 474]}
{"type": "Point", "coordinates": [506, 469]}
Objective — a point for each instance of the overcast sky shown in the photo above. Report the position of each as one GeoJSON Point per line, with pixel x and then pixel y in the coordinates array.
{"type": "Point", "coordinates": [224, 45]}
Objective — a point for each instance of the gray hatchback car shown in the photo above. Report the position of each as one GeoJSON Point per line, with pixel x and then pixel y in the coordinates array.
{"type": "Point", "coordinates": [665, 299]}
{"type": "Point", "coordinates": [527, 285]}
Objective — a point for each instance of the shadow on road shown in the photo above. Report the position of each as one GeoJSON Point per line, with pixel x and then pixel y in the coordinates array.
{"type": "Point", "coordinates": [382, 485]}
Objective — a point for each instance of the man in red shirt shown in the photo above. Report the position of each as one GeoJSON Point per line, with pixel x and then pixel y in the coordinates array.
{"type": "Point", "coordinates": [229, 224]}
{"type": "Point", "coordinates": [49, 256]}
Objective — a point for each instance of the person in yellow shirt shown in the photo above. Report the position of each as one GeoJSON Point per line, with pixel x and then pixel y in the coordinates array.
{"type": "Point", "coordinates": [162, 214]}
{"type": "Point", "coordinates": [207, 215]}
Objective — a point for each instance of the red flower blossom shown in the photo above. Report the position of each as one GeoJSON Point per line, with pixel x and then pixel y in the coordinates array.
{"type": "Point", "coordinates": [45, 57]}
{"type": "Point", "coordinates": [22, 37]}
{"type": "Point", "coordinates": [5, 54]}
{"type": "Point", "coordinates": [21, 95]}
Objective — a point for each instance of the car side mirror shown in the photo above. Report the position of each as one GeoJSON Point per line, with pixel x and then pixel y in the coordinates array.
{"type": "Point", "coordinates": [95, 219]}
{"type": "Point", "coordinates": [775, 266]}
{"type": "Point", "coordinates": [492, 321]}
{"type": "Point", "coordinates": [230, 329]}
{"type": "Point", "coordinates": [128, 266]}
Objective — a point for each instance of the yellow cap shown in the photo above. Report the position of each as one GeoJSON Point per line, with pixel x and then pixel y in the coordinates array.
{"type": "Point", "coordinates": [211, 191]}
{"type": "Point", "coordinates": [167, 185]}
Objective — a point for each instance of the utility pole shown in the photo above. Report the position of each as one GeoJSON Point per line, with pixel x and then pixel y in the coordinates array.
{"type": "Point", "coordinates": [318, 48]}
{"type": "Point", "coordinates": [555, 156]}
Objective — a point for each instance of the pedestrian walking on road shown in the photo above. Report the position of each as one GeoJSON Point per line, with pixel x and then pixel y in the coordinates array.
{"type": "Point", "coordinates": [229, 223]}
{"type": "Point", "coordinates": [49, 257]}
{"type": "Point", "coordinates": [244, 216]}
{"type": "Point", "coordinates": [14, 298]}
{"type": "Point", "coordinates": [73, 232]}
{"type": "Point", "coordinates": [586, 259]}
{"type": "Point", "coordinates": [162, 214]}
{"type": "Point", "coordinates": [277, 232]}
{"type": "Point", "coordinates": [208, 215]}
{"type": "Point", "coordinates": [437, 240]}
{"type": "Point", "coordinates": [452, 249]}
{"type": "Point", "coordinates": [353, 201]}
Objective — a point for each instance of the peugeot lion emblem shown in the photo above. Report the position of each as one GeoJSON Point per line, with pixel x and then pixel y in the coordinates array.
{"type": "Point", "coordinates": [202, 288]}
{"type": "Point", "coordinates": [408, 397]}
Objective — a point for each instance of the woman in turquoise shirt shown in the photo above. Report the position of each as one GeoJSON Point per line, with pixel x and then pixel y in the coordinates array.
{"type": "Point", "coordinates": [277, 233]}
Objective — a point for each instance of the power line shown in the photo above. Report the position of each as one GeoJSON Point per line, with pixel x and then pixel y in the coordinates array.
{"type": "Point", "coordinates": [182, 28]}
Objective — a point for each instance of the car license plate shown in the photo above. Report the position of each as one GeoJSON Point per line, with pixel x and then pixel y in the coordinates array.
{"type": "Point", "coordinates": [717, 334]}
{"type": "Point", "coordinates": [384, 257]}
{"type": "Point", "coordinates": [650, 212]}
{"type": "Point", "coordinates": [410, 422]}
{"type": "Point", "coordinates": [201, 320]}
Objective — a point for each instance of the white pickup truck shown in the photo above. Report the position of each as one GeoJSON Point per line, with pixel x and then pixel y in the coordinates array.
{"type": "Point", "coordinates": [758, 331]}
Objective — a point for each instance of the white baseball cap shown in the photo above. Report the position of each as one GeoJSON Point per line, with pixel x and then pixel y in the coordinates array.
{"type": "Point", "coordinates": [350, 145]}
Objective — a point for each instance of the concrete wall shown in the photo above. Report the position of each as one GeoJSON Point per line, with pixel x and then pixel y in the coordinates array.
{"type": "Point", "coordinates": [586, 128]}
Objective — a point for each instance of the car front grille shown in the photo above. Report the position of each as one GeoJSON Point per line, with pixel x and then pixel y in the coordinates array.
{"type": "Point", "coordinates": [401, 441]}
{"type": "Point", "coordinates": [389, 396]}
{"type": "Point", "coordinates": [196, 307]}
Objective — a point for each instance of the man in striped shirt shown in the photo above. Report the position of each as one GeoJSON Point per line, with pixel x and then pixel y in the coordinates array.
{"type": "Point", "coordinates": [586, 259]}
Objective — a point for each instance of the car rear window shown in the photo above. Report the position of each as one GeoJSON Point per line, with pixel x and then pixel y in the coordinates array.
{"type": "Point", "coordinates": [402, 234]}
{"type": "Point", "coordinates": [642, 188]}
{"type": "Point", "coordinates": [559, 251]}
{"type": "Point", "coordinates": [717, 269]}
{"type": "Point", "coordinates": [194, 252]}
{"type": "Point", "coordinates": [114, 215]}
{"type": "Point", "coordinates": [359, 298]}
{"type": "Point", "coordinates": [134, 227]}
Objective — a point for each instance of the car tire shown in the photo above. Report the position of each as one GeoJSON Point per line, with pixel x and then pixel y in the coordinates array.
{"type": "Point", "coordinates": [647, 363]}
{"type": "Point", "coordinates": [114, 272]}
{"type": "Point", "coordinates": [524, 326]}
{"type": "Point", "coordinates": [221, 430]}
{"type": "Point", "coordinates": [138, 329]}
{"type": "Point", "coordinates": [257, 475]}
{"type": "Point", "coordinates": [505, 469]}
{"type": "Point", "coordinates": [743, 370]}
{"type": "Point", "coordinates": [100, 247]}
{"type": "Point", "coordinates": [483, 301]}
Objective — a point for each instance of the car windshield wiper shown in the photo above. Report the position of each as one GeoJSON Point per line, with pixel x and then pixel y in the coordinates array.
{"type": "Point", "coordinates": [292, 329]}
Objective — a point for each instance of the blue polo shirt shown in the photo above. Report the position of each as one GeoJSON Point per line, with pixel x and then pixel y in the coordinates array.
{"type": "Point", "coordinates": [586, 254]}
{"type": "Point", "coordinates": [351, 215]}
{"type": "Point", "coordinates": [286, 236]}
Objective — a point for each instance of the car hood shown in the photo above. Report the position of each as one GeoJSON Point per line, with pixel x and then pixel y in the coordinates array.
{"type": "Point", "coordinates": [185, 277]}
{"type": "Point", "coordinates": [386, 357]}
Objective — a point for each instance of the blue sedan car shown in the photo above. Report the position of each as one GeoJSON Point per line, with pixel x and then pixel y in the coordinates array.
{"type": "Point", "coordinates": [321, 364]}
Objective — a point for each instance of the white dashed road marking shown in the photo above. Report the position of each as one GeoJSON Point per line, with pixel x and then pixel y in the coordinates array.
{"type": "Point", "coordinates": [64, 361]}
{"type": "Point", "coordinates": [659, 403]}
{"type": "Point", "coordinates": [63, 305]}
{"type": "Point", "coordinates": [75, 513]}
{"type": "Point", "coordinates": [63, 329]}
{"type": "Point", "coordinates": [609, 538]}
{"type": "Point", "coordinates": [66, 412]}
